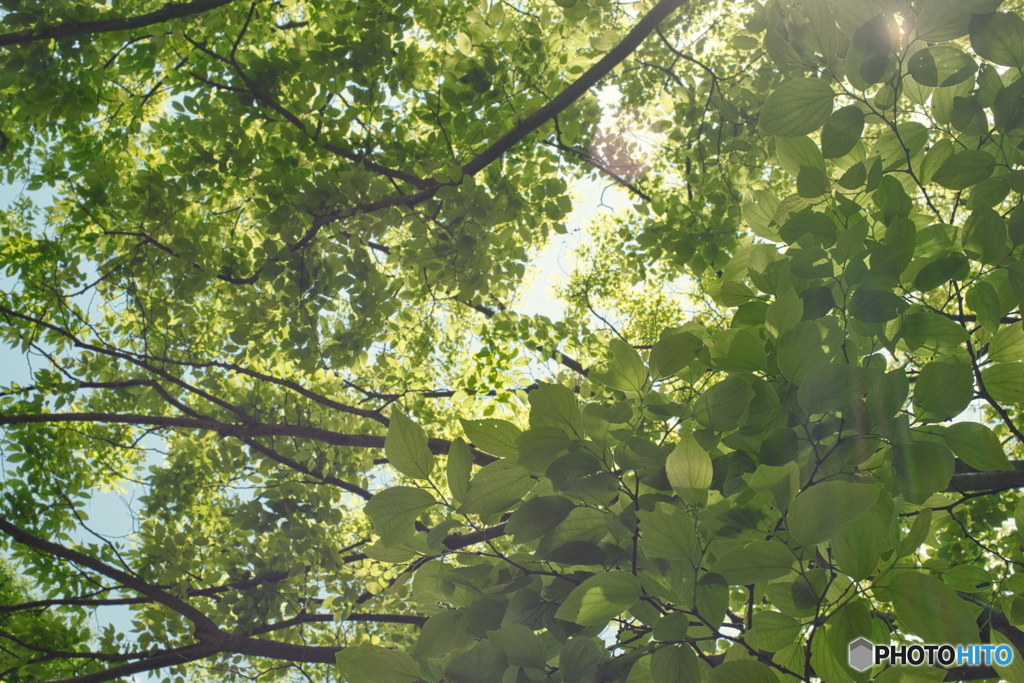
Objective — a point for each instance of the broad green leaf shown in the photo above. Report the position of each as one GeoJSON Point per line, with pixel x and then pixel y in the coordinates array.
{"type": "Point", "coordinates": [984, 301]}
{"type": "Point", "coordinates": [1007, 345]}
{"type": "Point", "coordinates": [842, 131]}
{"type": "Point", "coordinates": [579, 659]}
{"type": "Point", "coordinates": [745, 670]}
{"type": "Point", "coordinates": [482, 663]}
{"type": "Point", "coordinates": [998, 37]}
{"type": "Point", "coordinates": [755, 562]}
{"type": "Point", "coordinates": [393, 512]}
{"type": "Point", "coordinates": [926, 333]}
{"type": "Point", "coordinates": [539, 446]}
{"type": "Point", "coordinates": [600, 598]}
{"type": "Point", "coordinates": [832, 388]}
{"type": "Point", "coordinates": [496, 488]}
{"type": "Point", "coordinates": [1018, 517]}
{"type": "Point", "coordinates": [969, 578]}
{"type": "Point", "coordinates": [809, 222]}
{"type": "Point", "coordinates": [672, 626]}
{"type": "Point", "coordinates": [406, 447]}
{"type": "Point", "coordinates": [823, 509]}
{"type": "Point", "coordinates": [812, 182]}
{"type": "Point", "coordinates": [964, 169]}
{"type": "Point", "coordinates": [948, 19]}
{"type": "Point", "coordinates": [868, 61]}
{"type": "Point", "coordinates": [582, 525]}
{"type": "Point", "coordinates": [807, 347]}
{"type": "Point", "coordinates": [459, 469]}
{"type": "Point", "coordinates": [876, 305]}
{"type": "Point", "coordinates": [441, 634]}
{"type": "Point", "coordinates": [1004, 382]}
{"type": "Point", "coordinates": [794, 153]}
{"type": "Point", "coordinates": [689, 468]}
{"type": "Point", "coordinates": [759, 209]}
{"type": "Point", "coordinates": [911, 674]}
{"type": "Point", "coordinates": [783, 481]}
{"type": "Point", "coordinates": [626, 371]}
{"type": "Point", "coordinates": [784, 313]}
{"type": "Point", "coordinates": [922, 468]}
{"type": "Point", "coordinates": [976, 445]}
{"type": "Point", "coordinates": [552, 405]}
{"type": "Point", "coordinates": [537, 516]}
{"type": "Point", "coordinates": [855, 547]}
{"type": "Point", "coordinates": [774, 631]}
{"type": "Point", "coordinates": [723, 405]}
{"type": "Point", "coordinates": [796, 108]}
{"type": "Point", "coordinates": [941, 66]}
{"type": "Point", "coordinates": [675, 664]}
{"type": "Point", "coordinates": [845, 625]}
{"type": "Point", "coordinates": [673, 352]}
{"type": "Point", "coordinates": [984, 236]}
{"type": "Point", "coordinates": [943, 389]}
{"type": "Point", "coordinates": [667, 532]}
{"type": "Point", "coordinates": [497, 437]}
{"type": "Point", "coordinates": [919, 531]}
{"type": "Point", "coordinates": [930, 609]}
{"type": "Point", "coordinates": [737, 351]}
{"type": "Point", "coordinates": [522, 647]}
{"type": "Point", "coordinates": [383, 665]}
{"type": "Point", "coordinates": [941, 271]}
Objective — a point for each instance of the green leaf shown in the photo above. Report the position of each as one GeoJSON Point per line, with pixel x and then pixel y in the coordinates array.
{"type": "Point", "coordinates": [393, 512]}
{"type": "Point", "coordinates": [1007, 345]}
{"type": "Point", "coordinates": [724, 405]}
{"type": "Point", "coordinates": [442, 633]}
{"type": "Point", "coordinates": [977, 445]}
{"type": "Point", "coordinates": [1018, 517]}
{"type": "Point", "coordinates": [1004, 382]}
{"type": "Point", "coordinates": [941, 20]}
{"type": "Point", "coordinates": [522, 647]}
{"type": "Point", "coordinates": [998, 37]}
{"type": "Point", "coordinates": [784, 313]}
{"type": "Point", "coordinates": [984, 301]}
{"type": "Point", "coordinates": [600, 598]}
{"type": "Point", "coordinates": [383, 665]}
{"type": "Point", "coordinates": [833, 387]}
{"type": "Point", "coordinates": [459, 469]}
{"type": "Point", "coordinates": [675, 664]}
{"type": "Point", "coordinates": [868, 59]}
{"type": "Point", "coordinates": [755, 562]}
{"type": "Point", "coordinates": [583, 525]}
{"type": "Point", "coordinates": [796, 108]}
{"type": "Point", "coordinates": [809, 222]}
{"type": "Point", "coordinates": [918, 533]}
{"type": "Point", "coordinates": [783, 481]}
{"type": "Point", "coordinates": [842, 131]}
{"type": "Point", "coordinates": [922, 468]}
{"type": "Point", "coordinates": [406, 447]}
{"type": "Point", "coordinates": [812, 183]}
{"type": "Point", "coordinates": [964, 169]}
{"type": "Point", "coordinates": [856, 549]}
{"type": "Point", "coordinates": [984, 237]}
{"type": "Point", "coordinates": [482, 663]}
{"type": "Point", "coordinates": [496, 488]}
{"type": "Point", "coordinates": [876, 305]}
{"type": "Point", "coordinates": [737, 351]}
{"type": "Point", "coordinates": [537, 516]}
{"type": "Point", "coordinates": [689, 469]}
{"type": "Point", "coordinates": [667, 532]}
{"type": "Point", "coordinates": [774, 631]}
{"type": "Point", "coordinates": [673, 352]}
{"type": "Point", "coordinates": [745, 670]}
{"type": "Point", "coordinates": [941, 271]}
{"type": "Point", "coordinates": [552, 405]}
{"type": "Point", "coordinates": [941, 66]}
{"type": "Point", "coordinates": [932, 610]}
{"type": "Point", "coordinates": [793, 153]}
{"type": "Point", "coordinates": [497, 437]}
{"type": "Point", "coordinates": [810, 345]}
{"type": "Point", "coordinates": [825, 508]}
{"type": "Point", "coordinates": [944, 388]}
{"type": "Point", "coordinates": [626, 372]}
{"type": "Point", "coordinates": [579, 659]}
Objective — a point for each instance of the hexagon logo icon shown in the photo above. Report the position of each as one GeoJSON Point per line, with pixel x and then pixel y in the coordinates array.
{"type": "Point", "coordinates": [860, 657]}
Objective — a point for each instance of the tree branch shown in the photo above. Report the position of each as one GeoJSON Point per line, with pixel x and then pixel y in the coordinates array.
{"type": "Point", "coordinates": [171, 10]}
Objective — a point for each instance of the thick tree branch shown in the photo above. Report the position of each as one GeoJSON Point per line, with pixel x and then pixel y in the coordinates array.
{"type": "Point", "coordinates": [170, 11]}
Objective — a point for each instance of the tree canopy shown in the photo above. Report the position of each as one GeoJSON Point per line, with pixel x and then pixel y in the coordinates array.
{"type": "Point", "coordinates": [275, 294]}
